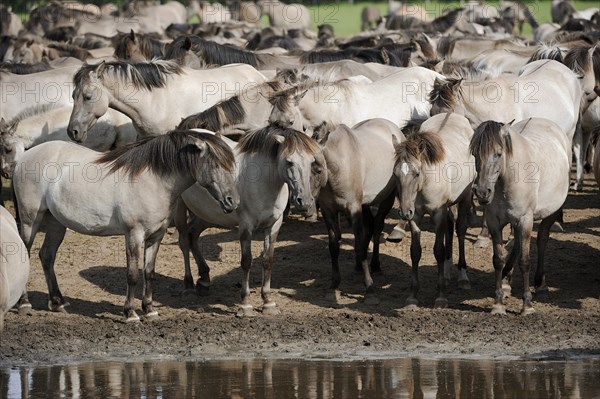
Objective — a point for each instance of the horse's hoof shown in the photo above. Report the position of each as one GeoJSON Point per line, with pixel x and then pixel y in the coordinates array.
{"type": "Point", "coordinates": [312, 218]}
{"type": "Point", "coordinates": [499, 309]}
{"type": "Point", "coordinates": [482, 242]}
{"type": "Point", "coordinates": [151, 315]}
{"type": "Point", "coordinates": [270, 309]}
{"type": "Point", "coordinates": [464, 284]}
{"type": "Point", "coordinates": [557, 227]}
{"type": "Point", "coordinates": [371, 299]}
{"type": "Point", "coordinates": [56, 308]}
{"type": "Point", "coordinates": [506, 289]}
{"type": "Point", "coordinates": [245, 311]}
{"type": "Point", "coordinates": [411, 303]}
{"type": "Point", "coordinates": [577, 187]}
{"type": "Point", "coordinates": [25, 310]}
{"type": "Point", "coordinates": [527, 310]}
{"type": "Point", "coordinates": [396, 235]}
{"type": "Point", "coordinates": [202, 290]}
{"type": "Point", "coordinates": [333, 296]}
{"type": "Point", "coordinates": [132, 319]}
{"type": "Point", "coordinates": [440, 303]}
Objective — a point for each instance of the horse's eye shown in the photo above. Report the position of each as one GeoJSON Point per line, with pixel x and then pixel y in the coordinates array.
{"type": "Point", "coordinates": [87, 97]}
{"type": "Point", "coordinates": [498, 154]}
{"type": "Point", "coordinates": [7, 151]}
{"type": "Point", "coordinates": [317, 169]}
{"type": "Point", "coordinates": [417, 174]}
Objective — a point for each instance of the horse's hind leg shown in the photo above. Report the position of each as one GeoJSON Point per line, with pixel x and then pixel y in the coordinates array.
{"type": "Point", "coordinates": [580, 144]}
{"type": "Point", "coordinates": [542, 241]}
{"type": "Point", "coordinates": [448, 242]}
{"type": "Point", "coordinates": [55, 233]}
{"type": "Point", "coordinates": [134, 243]}
{"type": "Point", "coordinates": [203, 282]}
{"type": "Point", "coordinates": [498, 260]}
{"type": "Point", "coordinates": [184, 243]}
{"type": "Point", "coordinates": [332, 221]}
{"type": "Point", "coordinates": [269, 307]}
{"type": "Point", "coordinates": [151, 249]}
{"type": "Point", "coordinates": [360, 251]}
{"type": "Point", "coordinates": [28, 229]}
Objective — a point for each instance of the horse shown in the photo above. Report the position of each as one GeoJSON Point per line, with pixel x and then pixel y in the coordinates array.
{"type": "Point", "coordinates": [354, 191]}
{"type": "Point", "coordinates": [137, 48]}
{"type": "Point", "coordinates": [44, 123]}
{"type": "Point", "coordinates": [434, 170]}
{"type": "Point", "coordinates": [369, 17]}
{"type": "Point", "coordinates": [522, 176]}
{"type": "Point", "coordinates": [596, 162]}
{"type": "Point", "coordinates": [47, 87]}
{"type": "Point", "coordinates": [156, 95]}
{"type": "Point", "coordinates": [198, 53]}
{"type": "Point", "coordinates": [271, 164]}
{"type": "Point", "coordinates": [208, 13]}
{"type": "Point", "coordinates": [14, 264]}
{"type": "Point", "coordinates": [519, 97]}
{"type": "Point", "coordinates": [288, 16]}
{"type": "Point", "coordinates": [398, 97]}
{"type": "Point", "coordinates": [98, 194]}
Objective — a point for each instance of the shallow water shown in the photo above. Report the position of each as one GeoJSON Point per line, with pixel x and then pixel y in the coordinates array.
{"type": "Point", "coordinates": [396, 378]}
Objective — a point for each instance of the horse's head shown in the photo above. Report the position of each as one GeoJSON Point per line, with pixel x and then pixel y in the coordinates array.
{"type": "Point", "coordinates": [90, 99]}
{"type": "Point", "coordinates": [286, 110]}
{"type": "Point", "coordinates": [217, 175]}
{"type": "Point", "coordinates": [445, 97]}
{"type": "Point", "coordinates": [10, 147]}
{"type": "Point", "coordinates": [490, 145]}
{"type": "Point", "coordinates": [415, 158]}
{"type": "Point", "coordinates": [27, 52]}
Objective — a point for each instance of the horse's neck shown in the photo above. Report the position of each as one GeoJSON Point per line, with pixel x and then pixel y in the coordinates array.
{"type": "Point", "coordinates": [260, 175]}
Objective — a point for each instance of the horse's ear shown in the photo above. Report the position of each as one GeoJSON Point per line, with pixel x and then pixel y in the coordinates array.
{"type": "Point", "coordinates": [132, 35]}
{"type": "Point", "coordinates": [12, 128]}
{"type": "Point", "coordinates": [187, 44]}
{"type": "Point", "coordinates": [505, 130]}
{"type": "Point", "coordinates": [101, 68]}
{"type": "Point", "coordinates": [455, 83]}
{"type": "Point", "coordinates": [395, 142]}
{"type": "Point", "coordinates": [299, 97]}
{"type": "Point", "coordinates": [30, 42]}
{"type": "Point", "coordinates": [279, 138]}
{"type": "Point", "coordinates": [202, 146]}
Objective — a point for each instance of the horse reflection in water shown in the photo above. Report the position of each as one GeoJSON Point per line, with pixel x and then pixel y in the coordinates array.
{"type": "Point", "coordinates": [398, 378]}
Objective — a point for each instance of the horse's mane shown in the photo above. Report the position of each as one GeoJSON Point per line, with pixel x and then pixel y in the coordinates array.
{"type": "Point", "coordinates": [143, 75]}
{"type": "Point", "coordinates": [263, 142]}
{"type": "Point", "coordinates": [168, 154]}
{"type": "Point", "coordinates": [20, 68]}
{"type": "Point", "coordinates": [31, 112]}
{"type": "Point", "coordinates": [359, 54]}
{"type": "Point", "coordinates": [578, 60]}
{"type": "Point", "coordinates": [445, 22]}
{"type": "Point", "coordinates": [547, 52]}
{"type": "Point", "coordinates": [423, 146]}
{"type": "Point", "coordinates": [487, 137]}
{"type": "Point", "coordinates": [412, 127]}
{"type": "Point", "coordinates": [443, 92]}
{"type": "Point", "coordinates": [280, 99]}
{"type": "Point", "coordinates": [225, 113]}
{"type": "Point", "coordinates": [209, 51]}
{"type": "Point", "coordinates": [70, 50]}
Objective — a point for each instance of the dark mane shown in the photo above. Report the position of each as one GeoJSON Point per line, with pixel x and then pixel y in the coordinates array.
{"type": "Point", "coordinates": [487, 138]}
{"type": "Point", "coordinates": [445, 22]}
{"type": "Point", "coordinates": [209, 52]}
{"type": "Point", "coordinates": [423, 146]}
{"type": "Point", "coordinates": [444, 93]}
{"type": "Point", "coordinates": [358, 54]}
{"type": "Point", "coordinates": [143, 75]}
{"type": "Point", "coordinates": [225, 113]}
{"type": "Point", "coordinates": [168, 154]}
{"type": "Point", "coordinates": [412, 127]}
{"type": "Point", "coordinates": [20, 68]}
{"type": "Point", "coordinates": [263, 142]}
{"type": "Point", "coordinates": [545, 52]}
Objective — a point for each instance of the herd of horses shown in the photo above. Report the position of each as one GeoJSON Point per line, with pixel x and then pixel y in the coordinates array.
{"type": "Point", "coordinates": [225, 124]}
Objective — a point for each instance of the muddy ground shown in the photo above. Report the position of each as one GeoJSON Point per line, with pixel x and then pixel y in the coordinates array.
{"type": "Point", "coordinates": [91, 273]}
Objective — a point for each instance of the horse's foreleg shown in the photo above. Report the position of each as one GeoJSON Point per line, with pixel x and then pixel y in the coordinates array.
{"type": "Point", "coordinates": [151, 249]}
{"type": "Point", "coordinates": [246, 263]}
{"type": "Point", "coordinates": [461, 232]}
{"type": "Point", "coordinates": [332, 221]}
{"type": "Point", "coordinates": [542, 241]}
{"type": "Point", "coordinates": [415, 257]}
{"type": "Point", "coordinates": [269, 307]}
{"type": "Point", "coordinates": [134, 242]}
{"type": "Point", "coordinates": [378, 225]}
{"type": "Point", "coordinates": [55, 233]}
{"type": "Point", "coordinates": [28, 229]}
{"type": "Point", "coordinates": [498, 260]}
{"type": "Point", "coordinates": [523, 232]}
{"type": "Point", "coordinates": [440, 218]}
{"type": "Point", "coordinates": [196, 228]}
{"type": "Point", "coordinates": [181, 224]}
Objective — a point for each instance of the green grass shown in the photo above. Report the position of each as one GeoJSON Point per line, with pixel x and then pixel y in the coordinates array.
{"type": "Point", "coordinates": [345, 18]}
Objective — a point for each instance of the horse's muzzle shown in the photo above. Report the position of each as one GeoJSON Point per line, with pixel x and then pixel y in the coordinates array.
{"type": "Point", "coordinates": [484, 195]}
{"type": "Point", "coordinates": [228, 204]}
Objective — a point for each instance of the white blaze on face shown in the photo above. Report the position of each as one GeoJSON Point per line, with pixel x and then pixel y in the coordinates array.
{"type": "Point", "coordinates": [404, 168]}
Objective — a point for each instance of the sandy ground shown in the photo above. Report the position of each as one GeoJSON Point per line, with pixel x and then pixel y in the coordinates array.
{"type": "Point", "coordinates": [91, 274]}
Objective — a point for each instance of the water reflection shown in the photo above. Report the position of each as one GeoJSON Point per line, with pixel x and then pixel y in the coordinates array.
{"type": "Point", "coordinates": [399, 378]}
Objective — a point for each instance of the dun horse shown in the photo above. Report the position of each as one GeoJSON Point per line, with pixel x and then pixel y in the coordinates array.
{"type": "Point", "coordinates": [130, 191]}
